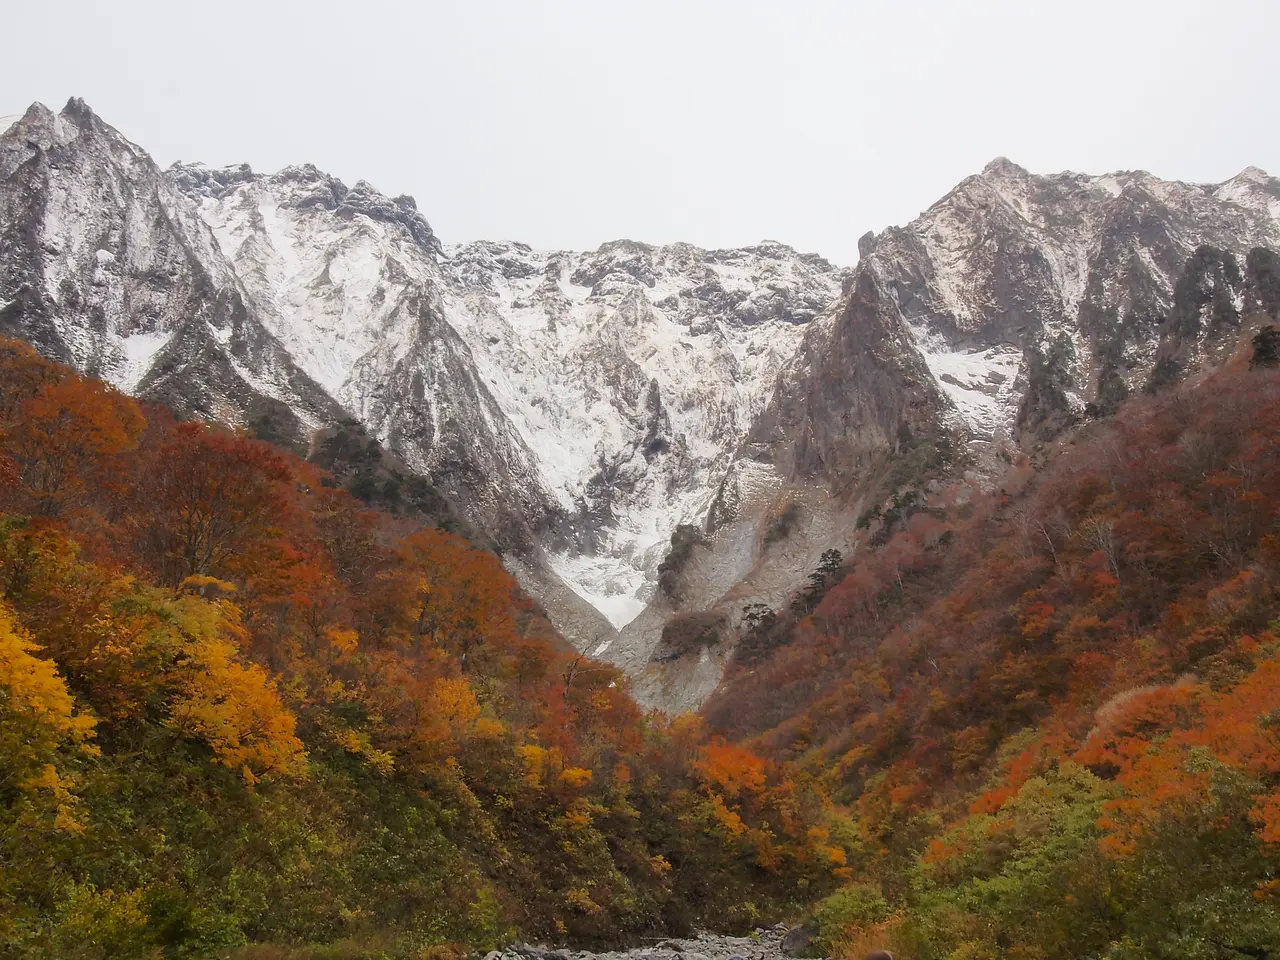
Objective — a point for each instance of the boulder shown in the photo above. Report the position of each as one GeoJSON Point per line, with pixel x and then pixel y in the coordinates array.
{"type": "Point", "coordinates": [796, 942]}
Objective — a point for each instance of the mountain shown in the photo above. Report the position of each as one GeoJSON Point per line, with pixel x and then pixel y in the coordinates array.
{"type": "Point", "coordinates": [654, 438]}
{"type": "Point", "coordinates": [1012, 309]}
{"type": "Point", "coordinates": [220, 672]}
{"type": "Point", "coordinates": [578, 406]}
{"type": "Point", "coordinates": [106, 265]}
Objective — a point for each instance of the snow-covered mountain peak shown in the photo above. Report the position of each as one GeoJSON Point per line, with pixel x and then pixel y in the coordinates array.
{"type": "Point", "coordinates": [38, 121]}
{"type": "Point", "coordinates": [608, 387]}
{"type": "Point", "coordinates": [1002, 168]}
{"type": "Point", "coordinates": [39, 129]}
{"type": "Point", "coordinates": [108, 266]}
{"type": "Point", "coordinates": [303, 186]}
{"type": "Point", "coordinates": [202, 180]}
{"type": "Point", "coordinates": [1253, 189]}
{"type": "Point", "coordinates": [1011, 261]}
{"type": "Point", "coordinates": [577, 406]}
{"type": "Point", "coordinates": [632, 372]}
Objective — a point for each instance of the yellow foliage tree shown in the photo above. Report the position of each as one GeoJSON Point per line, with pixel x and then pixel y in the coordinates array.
{"type": "Point", "coordinates": [235, 709]}
{"type": "Point", "coordinates": [454, 702]}
{"type": "Point", "coordinates": [576, 776]}
{"type": "Point", "coordinates": [39, 722]}
{"type": "Point", "coordinates": [535, 762]}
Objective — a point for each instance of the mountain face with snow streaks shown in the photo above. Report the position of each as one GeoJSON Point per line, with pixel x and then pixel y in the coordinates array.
{"type": "Point", "coordinates": [1012, 309]}
{"type": "Point", "coordinates": [577, 406]}
{"type": "Point", "coordinates": [105, 264]}
{"type": "Point", "coordinates": [632, 372]}
{"type": "Point", "coordinates": [348, 282]}
{"type": "Point", "coordinates": [652, 436]}
{"type": "Point", "coordinates": [1010, 267]}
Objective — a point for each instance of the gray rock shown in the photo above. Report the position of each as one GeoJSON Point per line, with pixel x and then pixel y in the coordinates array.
{"type": "Point", "coordinates": [866, 243]}
{"type": "Point", "coordinates": [797, 941]}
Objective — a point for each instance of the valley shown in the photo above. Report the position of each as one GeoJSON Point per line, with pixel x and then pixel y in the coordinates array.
{"type": "Point", "coordinates": [579, 407]}
{"type": "Point", "coordinates": [370, 593]}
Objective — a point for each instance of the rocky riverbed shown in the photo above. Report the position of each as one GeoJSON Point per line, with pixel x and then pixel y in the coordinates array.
{"type": "Point", "coordinates": [766, 943]}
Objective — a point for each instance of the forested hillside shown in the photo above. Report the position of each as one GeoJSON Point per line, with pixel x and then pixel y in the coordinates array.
{"type": "Point", "coordinates": [237, 707]}
{"type": "Point", "coordinates": [1053, 711]}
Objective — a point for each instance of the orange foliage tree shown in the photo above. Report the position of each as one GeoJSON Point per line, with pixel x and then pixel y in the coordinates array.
{"type": "Point", "coordinates": [61, 433]}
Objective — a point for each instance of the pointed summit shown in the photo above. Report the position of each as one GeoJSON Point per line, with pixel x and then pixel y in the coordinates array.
{"type": "Point", "coordinates": [1251, 174]}
{"type": "Point", "coordinates": [37, 120]}
{"type": "Point", "coordinates": [1003, 167]}
{"type": "Point", "coordinates": [37, 114]}
{"type": "Point", "coordinates": [37, 130]}
{"type": "Point", "coordinates": [78, 114]}
{"type": "Point", "coordinates": [76, 109]}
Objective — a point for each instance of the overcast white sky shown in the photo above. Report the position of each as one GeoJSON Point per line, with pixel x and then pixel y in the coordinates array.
{"type": "Point", "coordinates": [566, 123]}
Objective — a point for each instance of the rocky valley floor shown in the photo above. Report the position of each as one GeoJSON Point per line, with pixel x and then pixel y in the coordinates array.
{"type": "Point", "coordinates": [765, 943]}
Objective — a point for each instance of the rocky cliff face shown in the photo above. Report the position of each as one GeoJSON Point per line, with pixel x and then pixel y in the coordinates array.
{"type": "Point", "coordinates": [652, 436]}
{"type": "Point", "coordinates": [105, 264]}
{"type": "Point", "coordinates": [1017, 286]}
{"type": "Point", "coordinates": [348, 281]}
{"type": "Point", "coordinates": [632, 372]}
{"type": "Point", "coordinates": [578, 406]}
{"type": "Point", "coordinates": [1010, 310]}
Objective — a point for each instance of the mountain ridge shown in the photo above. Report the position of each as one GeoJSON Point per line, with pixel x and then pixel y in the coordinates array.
{"type": "Point", "coordinates": [581, 408]}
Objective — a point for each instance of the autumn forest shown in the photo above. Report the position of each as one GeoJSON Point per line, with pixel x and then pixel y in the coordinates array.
{"type": "Point", "coordinates": [240, 706]}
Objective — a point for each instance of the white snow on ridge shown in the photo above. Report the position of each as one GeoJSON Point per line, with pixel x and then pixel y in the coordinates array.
{"type": "Point", "coordinates": [319, 288]}
{"type": "Point", "coordinates": [609, 584]}
{"type": "Point", "coordinates": [1254, 190]}
{"type": "Point", "coordinates": [572, 368]}
{"type": "Point", "coordinates": [598, 396]}
{"type": "Point", "coordinates": [625, 377]}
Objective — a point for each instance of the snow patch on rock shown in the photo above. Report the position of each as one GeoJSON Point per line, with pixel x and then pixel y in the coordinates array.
{"type": "Point", "coordinates": [981, 383]}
